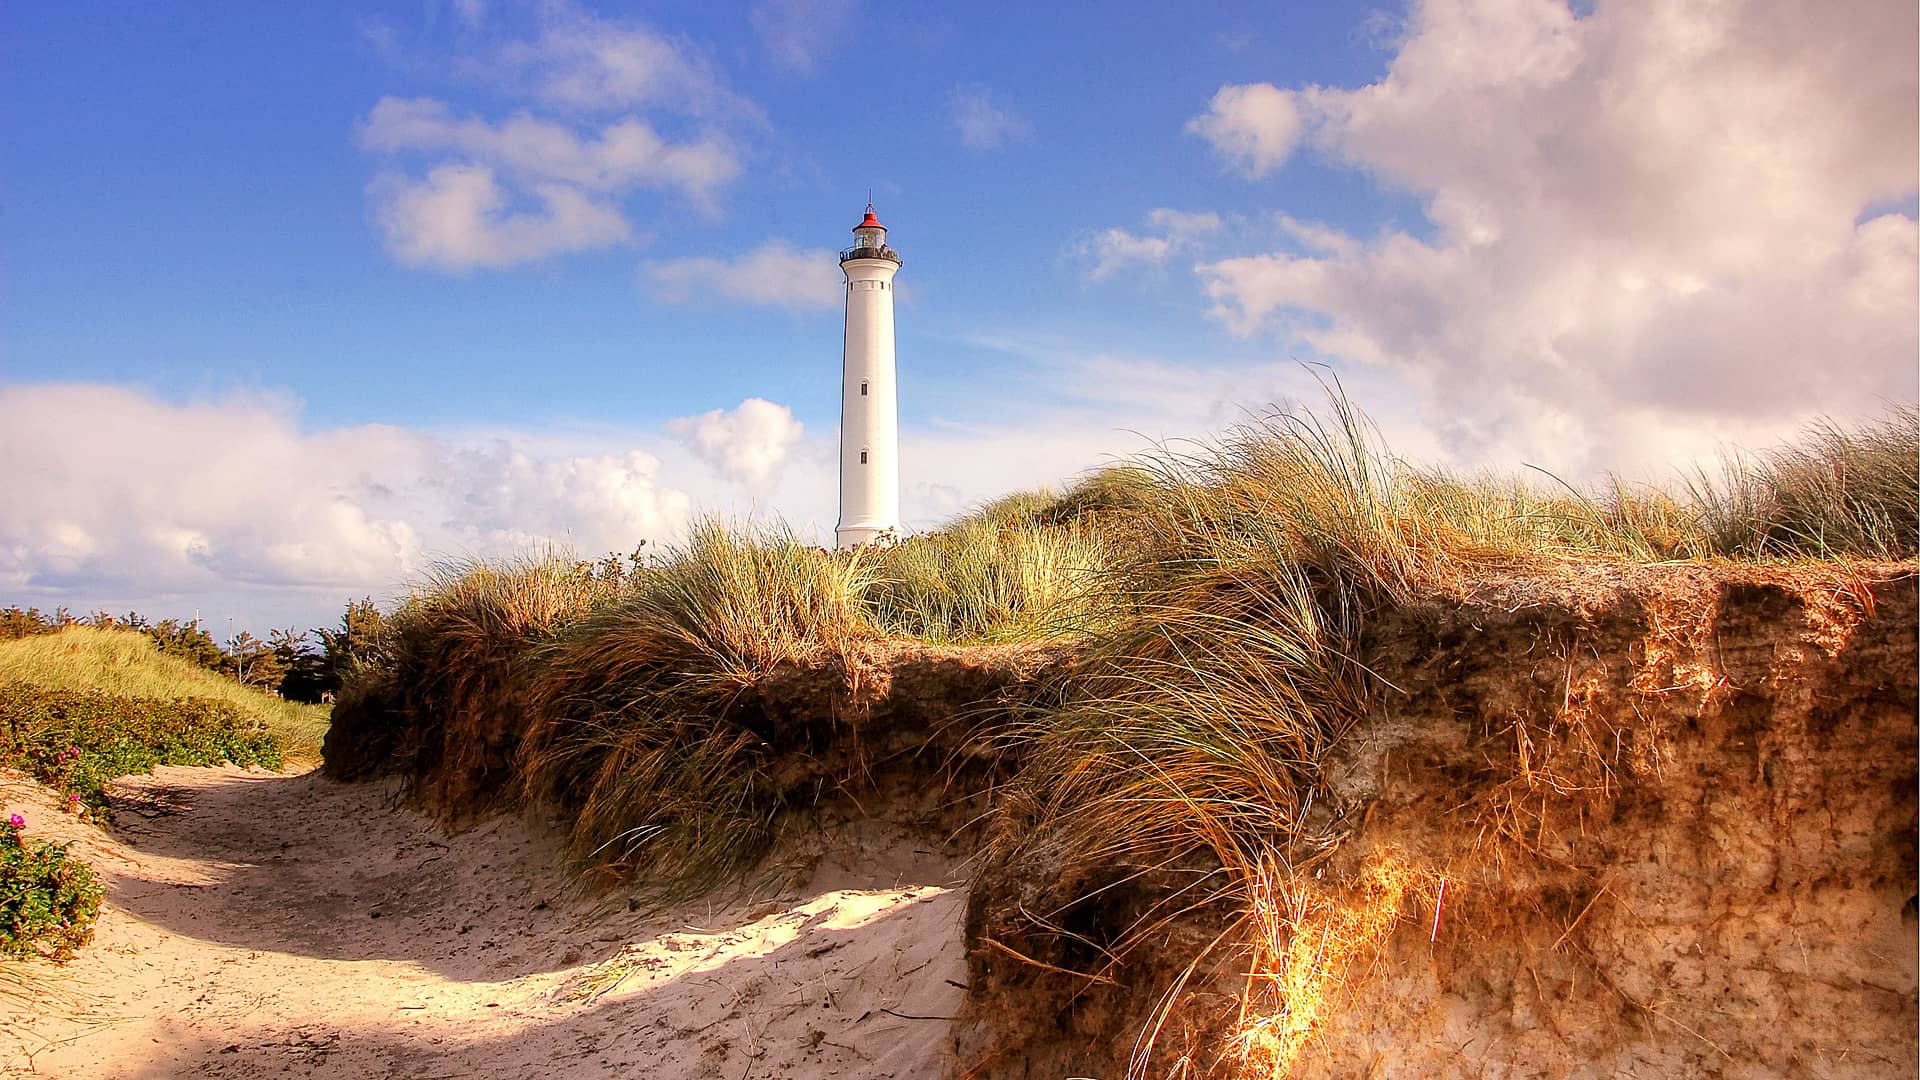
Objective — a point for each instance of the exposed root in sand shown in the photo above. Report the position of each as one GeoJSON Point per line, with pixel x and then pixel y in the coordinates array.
{"type": "Point", "coordinates": [263, 925]}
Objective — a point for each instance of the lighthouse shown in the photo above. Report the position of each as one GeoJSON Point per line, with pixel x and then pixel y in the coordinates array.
{"type": "Point", "coordinates": [869, 402]}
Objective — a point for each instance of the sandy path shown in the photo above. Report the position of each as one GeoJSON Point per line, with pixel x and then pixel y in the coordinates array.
{"type": "Point", "coordinates": [287, 925]}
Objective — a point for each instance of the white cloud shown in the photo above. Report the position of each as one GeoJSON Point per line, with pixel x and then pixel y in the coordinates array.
{"type": "Point", "coordinates": [985, 122]}
{"type": "Point", "coordinates": [748, 443]}
{"type": "Point", "coordinates": [1316, 237]}
{"type": "Point", "coordinates": [233, 498]}
{"type": "Point", "coordinates": [1254, 126]}
{"type": "Point", "coordinates": [582, 62]}
{"type": "Point", "coordinates": [1179, 230]}
{"type": "Point", "coordinates": [1647, 223]}
{"type": "Point", "coordinates": [458, 219]}
{"type": "Point", "coordinates": [498, 193]}
{"type": "Point", "coordinates": [233, 507]}
{"type": "Point", "coordinates": [472, 211]}
{"type": "Point", "coordinates": [772, 275]}
{"type": "Point", "coordinates": [798, 33]}
{"type": "Point", "coordinates": [472, 13]}
{"type": "Point", "coordinates": [620, 157]}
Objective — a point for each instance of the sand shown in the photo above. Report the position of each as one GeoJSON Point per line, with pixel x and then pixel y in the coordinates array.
{"type": "Point", "coordinates": [263, 924]}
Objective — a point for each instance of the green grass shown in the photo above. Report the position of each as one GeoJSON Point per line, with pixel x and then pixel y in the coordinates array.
{"type": "Point", "coordinates": [1002, 573]}
{"type": "Point", "coordinates": [1836, 492]}
{"type": "Point", "coordinates": [126, 663]}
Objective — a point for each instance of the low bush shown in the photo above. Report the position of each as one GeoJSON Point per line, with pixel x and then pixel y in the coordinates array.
{"type": "Point", "coordinates": [76, 741]}
{"type": "Point", "coordinates": [48, 901]}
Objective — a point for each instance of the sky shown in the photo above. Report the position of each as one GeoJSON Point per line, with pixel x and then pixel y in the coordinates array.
{"type": "Point", "coordinates": [300, 301]}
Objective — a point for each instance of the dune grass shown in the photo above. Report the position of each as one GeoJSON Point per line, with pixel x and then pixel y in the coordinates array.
{"type": "Point", "coordinates": [632, 725]}
{"type": "Point", "coordinates": [1219, 591]}
{"type": "Point", "coordinates": [612, 691]}
{"type": "Point", "coordinates": [1837, 492]}
{"type": "Point", "coordinates": [128, 664]}
{"type": "Point", "coordinates": [1002, 573]}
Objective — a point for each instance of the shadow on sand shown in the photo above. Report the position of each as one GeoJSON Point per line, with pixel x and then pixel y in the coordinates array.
{"type": "Point", "coordinates": [305, 865]}
{"type": "Point", "coordinates": [871, 999]}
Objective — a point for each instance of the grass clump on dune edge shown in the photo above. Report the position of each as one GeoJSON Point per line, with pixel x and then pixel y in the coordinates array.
{"type": "Point", "coordinates": [610, 690]}
{"type": "Point", "coordinates": [126, 663]}
{"type": "Point", "coordinates": [1201, 724]}
{"type": "Point", "coordinates": [631, 724]}
{"type": "Point", "coordinates": [1001, 573]}
{"type": "Point", "coordinates": [441, 693]}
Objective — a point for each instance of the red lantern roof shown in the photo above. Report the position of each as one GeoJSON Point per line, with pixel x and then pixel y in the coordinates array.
{"type": "Point", "coordinates": [870, 222]}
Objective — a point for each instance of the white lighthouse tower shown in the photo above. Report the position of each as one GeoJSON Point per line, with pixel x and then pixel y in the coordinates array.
{"type": "Point", "coordinates": [869, 403]}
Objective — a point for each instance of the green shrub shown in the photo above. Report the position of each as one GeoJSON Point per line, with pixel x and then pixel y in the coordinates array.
{"type": "Point", "coordinates": [76, 741]}
{"type": "Point", "coordinates": [48, 901]}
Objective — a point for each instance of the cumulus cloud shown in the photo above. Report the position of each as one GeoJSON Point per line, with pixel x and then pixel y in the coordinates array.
{"type": "Point", "coordinates": [582, 62]}
{"type": "Point", "coordinates": [748, 443]}
{"type": "Point", "coordinates": [1178, 230]}
{"type": "Point", "coordinates": [621, 156]}
{"type": "Point", "coordinates": [772, 275]}
{"type": "Point", "coordinates": [797, 33]}
{"type": "Point", "coordinates": [523, 189]}
{"type": "Point", "coordinates": [226, 496]}
{"type": "Point", "coordinates": [1253, 127]}
{"type": "Point", "coordinates": [234, 506]}
{"type": "Point", "coordinates": [458, 218]}
{"type": "Point", "coordinates": [501, 192]}
{"type": "Point", "coordinates": [1649, 224]}
{"type": "Point", "coordinates": [984, 121]}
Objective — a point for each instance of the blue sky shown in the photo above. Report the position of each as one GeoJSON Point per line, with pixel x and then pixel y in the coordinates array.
{"type": "Point", "coordinates": [334, 292]}
{"type": "Point", "coordinates": [195, 201]}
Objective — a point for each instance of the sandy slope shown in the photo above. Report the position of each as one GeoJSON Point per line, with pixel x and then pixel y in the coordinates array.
{"type": "Point", "coordinates": [288, 925]}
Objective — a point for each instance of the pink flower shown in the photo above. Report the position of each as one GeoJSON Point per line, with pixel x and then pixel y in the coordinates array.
{"type": "Point", "coordinates": [75, 797]}
{"type": "Point", "coordinates": [17, 821]}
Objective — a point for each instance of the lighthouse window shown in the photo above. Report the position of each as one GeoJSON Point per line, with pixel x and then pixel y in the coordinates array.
{"type": "Point", "coordinates": [863, 388]}
{"type": "Point", "coordinates": [863, 457]}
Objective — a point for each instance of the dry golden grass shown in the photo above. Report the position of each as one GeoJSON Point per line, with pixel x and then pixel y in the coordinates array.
{"type": "Point", "coordinates": [629, 708]}
{"type": "Point", "coordinates": [1305, 944]}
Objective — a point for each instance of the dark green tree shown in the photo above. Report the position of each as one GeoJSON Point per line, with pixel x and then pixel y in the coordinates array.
{"type": "Point", "coordinates": [306, 667]}
{"type": "Point", "coordinates": [360, 638]}
{"type": "Point", "coordinates": [254, 663]}
{"type": "Point", "coordinates": [189, 642]}
{"type": "Point", "coordinates": [19, 622]}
